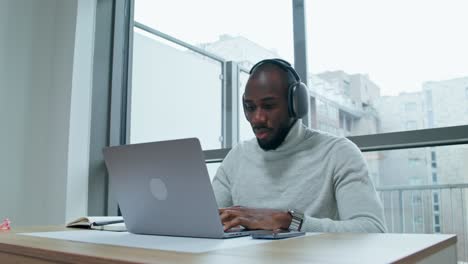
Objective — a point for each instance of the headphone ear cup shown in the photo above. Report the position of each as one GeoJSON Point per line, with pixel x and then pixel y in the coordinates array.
{"type": "Point", "coordinates": [298, 103]}
{"type": "Point", "coordinates": [291, 92]}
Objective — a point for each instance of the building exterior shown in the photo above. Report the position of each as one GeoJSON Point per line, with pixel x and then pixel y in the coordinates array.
{"type": "Point", "coordinates": [444, 210]}
{"type": "Point", "coordinates": [362, 94]}
{"type": "Point", "coordinates": [401, 113]}
{"type": "Point", "coordinates": [344, 105]}
{"type": "Point", "coordinates": [404, 167]}
{"type": "Point", "coordinates": [446, 104]}
{"type": "Point", "coordinates": [239, 49]}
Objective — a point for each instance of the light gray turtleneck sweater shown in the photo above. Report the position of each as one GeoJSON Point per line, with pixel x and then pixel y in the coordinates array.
{"type": "Point", "coordinates": [321, 175]}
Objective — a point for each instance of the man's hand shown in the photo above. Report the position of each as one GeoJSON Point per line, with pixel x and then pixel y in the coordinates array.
{"type": "Point", "coordinates": [251, 218]}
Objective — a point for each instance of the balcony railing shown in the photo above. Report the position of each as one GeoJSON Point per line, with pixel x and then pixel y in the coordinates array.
{"type": "Point", "coordinates": [428, 209]}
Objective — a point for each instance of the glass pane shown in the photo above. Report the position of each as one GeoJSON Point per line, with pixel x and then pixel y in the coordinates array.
{"type": "Point", "coordinates": [212, 168]}
{"type": "Point", "coordinates": [387, 65]}
{"type": "Point", "coordinates": [245, 130]}
{"type": "Point", "coordinates": [244, 31]}
{"type": "Point", "coordinates": [175, 93]}
{"type": "Point", "coordinates": [420, 198]}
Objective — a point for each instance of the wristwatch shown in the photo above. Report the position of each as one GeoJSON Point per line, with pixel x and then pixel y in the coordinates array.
{"type": "Point", "coordinates": [297, 219]}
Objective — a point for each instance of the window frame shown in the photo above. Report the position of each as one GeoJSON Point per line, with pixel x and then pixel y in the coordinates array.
{"type": "Point", "coordinates": [120, 92]}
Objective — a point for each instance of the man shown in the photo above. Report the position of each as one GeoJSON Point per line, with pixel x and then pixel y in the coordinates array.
{"type": "Point", "coordinates": [291, 177]}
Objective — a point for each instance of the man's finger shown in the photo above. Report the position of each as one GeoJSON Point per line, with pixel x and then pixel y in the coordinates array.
{"type": "Point", "coordinates": [228, 215]}
{"type": "Point", "coordinates": [221, 210]}
{"type": "Point", "coordinates": [235, 207]}
{"type": "Point", "coordinates": [236, 222]}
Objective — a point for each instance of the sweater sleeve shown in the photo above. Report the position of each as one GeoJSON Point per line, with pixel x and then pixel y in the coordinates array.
{"type": "Point", "coordinates": [222, 188]}
{"type": "Point", "coordinates": [359, 207]}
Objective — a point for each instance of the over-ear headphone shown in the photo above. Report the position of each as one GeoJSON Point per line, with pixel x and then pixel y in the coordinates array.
{"type": "Point", "coordinates": [298, 95]}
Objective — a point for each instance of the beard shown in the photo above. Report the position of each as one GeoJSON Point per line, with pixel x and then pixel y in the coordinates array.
{"type": "Point", "coordinates": [277, 139]}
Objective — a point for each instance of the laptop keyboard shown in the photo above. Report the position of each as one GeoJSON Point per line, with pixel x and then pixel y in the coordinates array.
{"type": "Point", "coordinates": [237, 232]}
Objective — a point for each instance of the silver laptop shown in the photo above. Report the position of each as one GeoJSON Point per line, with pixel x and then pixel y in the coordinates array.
{"type": "Point", "coordinates": [163, 188]}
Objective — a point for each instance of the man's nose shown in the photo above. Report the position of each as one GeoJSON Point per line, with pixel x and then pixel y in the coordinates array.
{"type": "Point", "coordinates": [259, 116]}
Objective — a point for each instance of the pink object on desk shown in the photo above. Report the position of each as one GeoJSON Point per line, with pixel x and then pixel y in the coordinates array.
{"type": "Point", "coordinates": [5, 225]}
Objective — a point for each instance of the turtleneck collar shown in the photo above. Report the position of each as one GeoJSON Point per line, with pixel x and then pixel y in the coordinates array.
{"type": "Point", "coordinates": [295, 136]}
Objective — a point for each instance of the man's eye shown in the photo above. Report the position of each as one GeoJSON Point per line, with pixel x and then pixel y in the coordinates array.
{"type": "Point", "coordinates": [268, 106]}
{"type": "Point", "coordinates": [249, 108]}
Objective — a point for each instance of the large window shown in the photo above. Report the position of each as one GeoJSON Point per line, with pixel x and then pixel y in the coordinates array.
{"type": "Point", "coordinates": [180, 92]}
{"type": "Point", "coordinates": [245, 130]}
{"type": "Point", "coordinates": [212, 169]}
{"type": "Point", "coordinates": [388, 75]}
{"type": "Point", "coordinates": [419, 197]}
{"type": "Point", "coordinates": [401, 64]}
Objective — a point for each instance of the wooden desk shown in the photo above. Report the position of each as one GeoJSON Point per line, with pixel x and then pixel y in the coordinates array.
{"type": "Point", "coordinates": [323, 248]}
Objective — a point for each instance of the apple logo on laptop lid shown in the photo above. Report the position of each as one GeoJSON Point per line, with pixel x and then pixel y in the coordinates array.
{"type": "Point", "coordinates": [158, 189]}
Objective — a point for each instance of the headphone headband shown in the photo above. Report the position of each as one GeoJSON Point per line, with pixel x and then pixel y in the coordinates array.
{"type": "Point", "coordinates": [279, 62]}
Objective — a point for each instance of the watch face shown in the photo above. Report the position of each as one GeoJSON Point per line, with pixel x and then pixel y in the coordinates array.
{"type": "Point", "coordinates": [296, 214]}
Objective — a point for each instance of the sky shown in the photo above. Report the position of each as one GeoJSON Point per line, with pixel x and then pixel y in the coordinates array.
{"type": "Point", "coordinates": [399, 43]}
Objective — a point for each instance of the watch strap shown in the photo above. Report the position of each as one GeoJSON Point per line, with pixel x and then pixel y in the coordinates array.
{"type": "Point", "coordinates": [296, 221]}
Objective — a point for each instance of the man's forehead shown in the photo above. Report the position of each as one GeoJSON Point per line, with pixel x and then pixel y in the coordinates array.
{"type": "Point", "coordinates": [265, 83]}
{"type": "Point", "coordinates": [270, 76]}
{"type": "Point", "coordinates": [266, 98]}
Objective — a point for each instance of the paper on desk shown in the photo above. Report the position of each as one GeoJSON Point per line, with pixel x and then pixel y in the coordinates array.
{"type": "Point", "coordinates": [180, 244]}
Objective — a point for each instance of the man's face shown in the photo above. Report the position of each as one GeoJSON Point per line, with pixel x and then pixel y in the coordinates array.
{"type": "Point", "coordinates": [266, 108]}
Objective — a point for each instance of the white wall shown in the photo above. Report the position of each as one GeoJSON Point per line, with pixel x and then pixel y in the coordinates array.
{"type": "Point", "coordinates": [45, 87]}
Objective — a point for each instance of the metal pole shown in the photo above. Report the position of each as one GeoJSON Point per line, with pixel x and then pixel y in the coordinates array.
{"type": "Point", "coordinates": [300, 45]}
{"type": "Point", "coordinates": [439, 194]}
{"type": "Point", "coordinates": [451, 210]}
{"type": "Point", "coordinates": [231, 109]}
{"type": "Point", "coordinates": [423, 212]}
{"type": "Point", "coordinates": [402, 213]}
{"type": "Point", "coordinates": [99, 134]}
{"type": "Point", "coordinates": [178, 41]}
{"type": "Point", "coordinates": [391, 212]}
{"type": "Point", "coordinates": [122, 34]}
{"type": "Point", "coordinates": [412, 211]}
{"type": "Point", "coordinates": [465, 233]}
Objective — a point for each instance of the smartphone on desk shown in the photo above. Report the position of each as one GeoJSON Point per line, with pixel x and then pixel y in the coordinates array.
{"type": "Point", "coordinates": [276, 234]}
